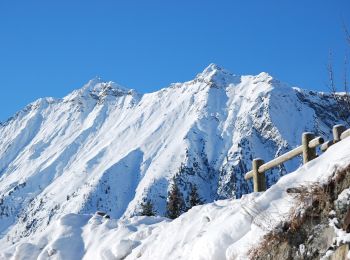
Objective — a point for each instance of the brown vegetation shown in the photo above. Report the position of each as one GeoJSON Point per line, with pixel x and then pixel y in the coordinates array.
{"type": "Point", "coordinates": [312, 206]}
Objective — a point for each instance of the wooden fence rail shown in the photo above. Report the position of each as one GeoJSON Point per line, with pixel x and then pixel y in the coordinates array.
{"type": "Point", "coordinates": [307, 149]}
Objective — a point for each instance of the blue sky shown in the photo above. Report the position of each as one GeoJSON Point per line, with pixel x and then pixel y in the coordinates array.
{"type": "Point", "coordinates": [49, 48]}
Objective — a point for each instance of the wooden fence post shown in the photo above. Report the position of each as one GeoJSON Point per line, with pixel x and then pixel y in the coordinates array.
{"type": "Point", "coordinates": [258, 178]}
{"type": "Point", "coordinates": [337, 131]}
{"type": "Point", "coordinates": [308, 153]}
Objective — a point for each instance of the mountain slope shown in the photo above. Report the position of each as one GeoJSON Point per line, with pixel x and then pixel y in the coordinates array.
{"type": "Point", "coordinates": [104, 147]}
{"type": "Point", "coordinates": [226, 229]}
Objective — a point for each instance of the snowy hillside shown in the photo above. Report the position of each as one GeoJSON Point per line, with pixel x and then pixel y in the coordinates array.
{"type": "Point", "coordinates": [226, 229]}
{"type": "Point", "coordinates": [104, 147]}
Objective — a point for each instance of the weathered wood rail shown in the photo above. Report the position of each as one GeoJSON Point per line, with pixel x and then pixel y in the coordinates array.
{"type": "Point", "coordinates": [307, 148]}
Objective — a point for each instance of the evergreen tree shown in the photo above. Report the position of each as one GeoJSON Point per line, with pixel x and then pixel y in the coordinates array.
{"type": "Point", "coordinates": [194, 198]}
{"type": "Point", "coordinates": [175, 203]}
{"type": "Point", "coordinates": [147, 208]}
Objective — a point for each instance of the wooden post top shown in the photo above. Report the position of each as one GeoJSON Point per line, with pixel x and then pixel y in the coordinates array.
{"type": "Point", "coordinates": [337, 131]}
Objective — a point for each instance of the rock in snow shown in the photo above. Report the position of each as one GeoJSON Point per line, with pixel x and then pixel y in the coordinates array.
{"type": "Point", "coordinates": [106, 148]}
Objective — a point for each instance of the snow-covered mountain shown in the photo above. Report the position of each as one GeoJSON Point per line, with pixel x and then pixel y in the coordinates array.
{"type": "Point", "coordinates": [104, 147]}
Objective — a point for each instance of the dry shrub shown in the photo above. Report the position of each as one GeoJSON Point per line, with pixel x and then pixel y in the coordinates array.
{"type": "Point", "coordinates": [270, 240]}
{"type": "Point", "coordinates": [312, 203]}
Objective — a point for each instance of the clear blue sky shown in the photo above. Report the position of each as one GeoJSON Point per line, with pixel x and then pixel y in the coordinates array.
{"type": "Point", "coordinates": [49, 48]}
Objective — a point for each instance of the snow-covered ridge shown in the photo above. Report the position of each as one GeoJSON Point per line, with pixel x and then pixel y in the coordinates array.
{"type": "Point", "coordinates": [104, 147]}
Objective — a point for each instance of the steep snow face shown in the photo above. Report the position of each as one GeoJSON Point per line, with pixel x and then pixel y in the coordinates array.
{"type": "Point", "coordinates": [225, 229]}
{"type": "Point", "coordinates": [104, 147]}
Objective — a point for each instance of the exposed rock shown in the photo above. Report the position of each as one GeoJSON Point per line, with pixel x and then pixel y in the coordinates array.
{"type": "Point", "coordinates": [340, 253]}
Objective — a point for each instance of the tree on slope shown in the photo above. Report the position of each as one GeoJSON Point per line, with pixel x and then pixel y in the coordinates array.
{"type": "Point", "coordinates": [147, 208]}
{"type": "Point", "coordinates": [194, 198]}
{"type": "Point", "coordinates": [175, 202]}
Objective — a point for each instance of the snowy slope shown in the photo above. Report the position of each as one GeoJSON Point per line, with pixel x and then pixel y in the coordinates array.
{"type": "Point", "coordinates": [104, 147]}
{"type": "Point", "coordinates": [225, 229]}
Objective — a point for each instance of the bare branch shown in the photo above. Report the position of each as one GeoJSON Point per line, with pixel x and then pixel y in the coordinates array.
{"type": "Point", "coordinates": [346, 90]}
{"type": "Point", "coordinates": [331, 83]}
{"type": "Point", "coordinates": [347, 33]}
{"type": "Point", "coordinates": [346, 85]}
{"type": "Point", "coordinates": [342, 100]}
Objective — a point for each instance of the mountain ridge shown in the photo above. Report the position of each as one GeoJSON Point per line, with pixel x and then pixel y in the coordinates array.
{"type": "Point", "coordinates": [99, 85]}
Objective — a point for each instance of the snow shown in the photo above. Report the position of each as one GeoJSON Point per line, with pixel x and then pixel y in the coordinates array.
{"type": "Point", "coordinates": [105, 147]}
{"type": "Point", "coordinates": [224, 229]}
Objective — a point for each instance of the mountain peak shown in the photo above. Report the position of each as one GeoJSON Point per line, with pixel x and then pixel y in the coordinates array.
{"type": "Point", "coordinates": [97, 88]}
{"type": "Point", "coordinates": [97, 84]}
{"type": "Point", "coordinates": [264, 76]}
{"type": "Point", "coordinates": [218, 75]}
{"type": "Point", "coordinates": [212, 67]}
{"type": "Point", "coordinates": [213, 70]}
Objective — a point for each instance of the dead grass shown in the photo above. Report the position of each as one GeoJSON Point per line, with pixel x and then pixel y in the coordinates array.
{"type": "Point", "coordinates": [312, 203]}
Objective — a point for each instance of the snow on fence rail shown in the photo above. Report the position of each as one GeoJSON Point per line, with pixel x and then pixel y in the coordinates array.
{"type": "Point", "coordinates": [307, 149]}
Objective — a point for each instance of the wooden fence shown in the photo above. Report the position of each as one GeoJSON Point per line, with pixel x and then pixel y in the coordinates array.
{"type": "Point", "coordinates": [307, 148]}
